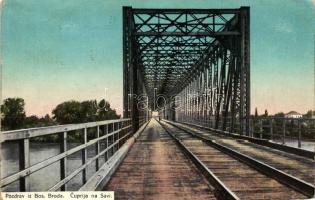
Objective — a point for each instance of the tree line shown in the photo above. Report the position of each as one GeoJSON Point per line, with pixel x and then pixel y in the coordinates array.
{"type": "Point", "coordinates": [307, 115]}
{"type": "Point", "coordinates": [69, 112]}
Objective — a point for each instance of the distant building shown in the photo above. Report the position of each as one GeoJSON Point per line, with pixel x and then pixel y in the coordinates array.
{"type": "Point", "coordinates": [293, 114]}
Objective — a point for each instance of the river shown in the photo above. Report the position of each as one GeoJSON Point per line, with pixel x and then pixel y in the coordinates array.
{"type": "Point", "coordinates": [45, 178]}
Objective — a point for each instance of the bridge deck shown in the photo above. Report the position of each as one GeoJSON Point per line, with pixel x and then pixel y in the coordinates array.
{"type": "Point", "coordinates": [155, 168]}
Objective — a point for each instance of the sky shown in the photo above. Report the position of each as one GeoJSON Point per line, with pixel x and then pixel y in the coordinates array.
{"type": "Point", "coordinates": [55, 50]}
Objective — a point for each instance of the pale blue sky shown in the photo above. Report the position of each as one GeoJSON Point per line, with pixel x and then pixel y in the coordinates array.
{"type": "Point", "coordinates": [57, 50]}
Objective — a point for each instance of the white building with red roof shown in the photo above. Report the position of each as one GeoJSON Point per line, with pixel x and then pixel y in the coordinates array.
{"type": "Point", "coordinates": [293, 114]}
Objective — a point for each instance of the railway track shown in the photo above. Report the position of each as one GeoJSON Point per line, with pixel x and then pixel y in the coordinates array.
{"type": "Point", "coordinates": [234, 175]}
{"type": "Point", "coordinates": [300, 167]}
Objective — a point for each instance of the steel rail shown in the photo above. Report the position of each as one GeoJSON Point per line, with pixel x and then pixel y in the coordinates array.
{"type": "Point", "coordinates": [262, 142]}
{"type": "Point", "coordinates": [224, 191]}
{"type": "Point", "coordinates": [284, 178]}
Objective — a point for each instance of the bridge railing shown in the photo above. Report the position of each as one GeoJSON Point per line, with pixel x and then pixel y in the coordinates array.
{"type": "Point", "coordinates": [293, 131]}
{"type": "Point", "coordinates": [296, 132]}
{"type": "Point", "coordinates": [111, 133]}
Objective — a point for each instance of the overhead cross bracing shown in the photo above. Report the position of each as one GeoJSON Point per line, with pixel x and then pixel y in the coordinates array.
{"type": "Point", "coordinates": [172, 36]}
{"type": "Point", "coordinates": [168, 49]}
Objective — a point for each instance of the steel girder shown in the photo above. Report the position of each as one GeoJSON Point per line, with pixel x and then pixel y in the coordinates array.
{"type": "Point", "coordinates": [186, 52]}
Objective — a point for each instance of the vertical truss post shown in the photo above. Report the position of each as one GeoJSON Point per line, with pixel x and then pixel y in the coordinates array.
{"type": "Point", "coordinates": [245, 70]}
{"type": "Point", "coordinates": [130, 67]}
{"type": "Point", "coordinates": [126, 46]}
{"type": "Point", "coordinates": [172, 109]}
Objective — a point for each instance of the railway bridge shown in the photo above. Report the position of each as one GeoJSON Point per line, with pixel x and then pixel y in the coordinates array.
{"type": "Point", "coordinates": [186, 131]}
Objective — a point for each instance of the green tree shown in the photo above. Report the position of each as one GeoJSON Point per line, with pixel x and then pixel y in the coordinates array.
{"type": "Point", "coordinates": [266, 113]}
{"type": "Point", "coordinates": [81, 112]}
{"type": "Point", "coordinates": [309, 114]}
{"type": "Point", "coordinates": [31, 121]}
{"type": "Point", "coordinates": [35, 121]}
{"type": "Point", "coordinates": [47, 119]}
{"type": "Point", "coordinates": [68, 112]}
{"type": "Point", "coordinates": [280, 114]}
{"type": "Point", "coordinates": [88, 111]}
{"type": "Point", "coordinates": [278, 117]}
{"type": "Point", "coordinates": [105, 112]}
{"type": "Point", "coordinates": [256, 112]}
{"type": "Point", "coordinates": [13, 113]}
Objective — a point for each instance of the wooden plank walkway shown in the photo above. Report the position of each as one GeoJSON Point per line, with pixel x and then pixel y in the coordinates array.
{"type": "Point", "coordinates": [155, 168]}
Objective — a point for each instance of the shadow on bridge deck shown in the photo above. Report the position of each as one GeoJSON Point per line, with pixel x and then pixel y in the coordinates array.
{"type": "Point", "coordinates": [155, 168]}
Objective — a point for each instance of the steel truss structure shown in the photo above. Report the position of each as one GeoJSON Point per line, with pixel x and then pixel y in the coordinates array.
{"type": "Point", "coordinates": [196, 62]}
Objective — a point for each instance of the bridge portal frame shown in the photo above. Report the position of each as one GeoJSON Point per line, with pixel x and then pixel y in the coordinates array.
{"type": "Point", "coordinates": [155, 42]}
